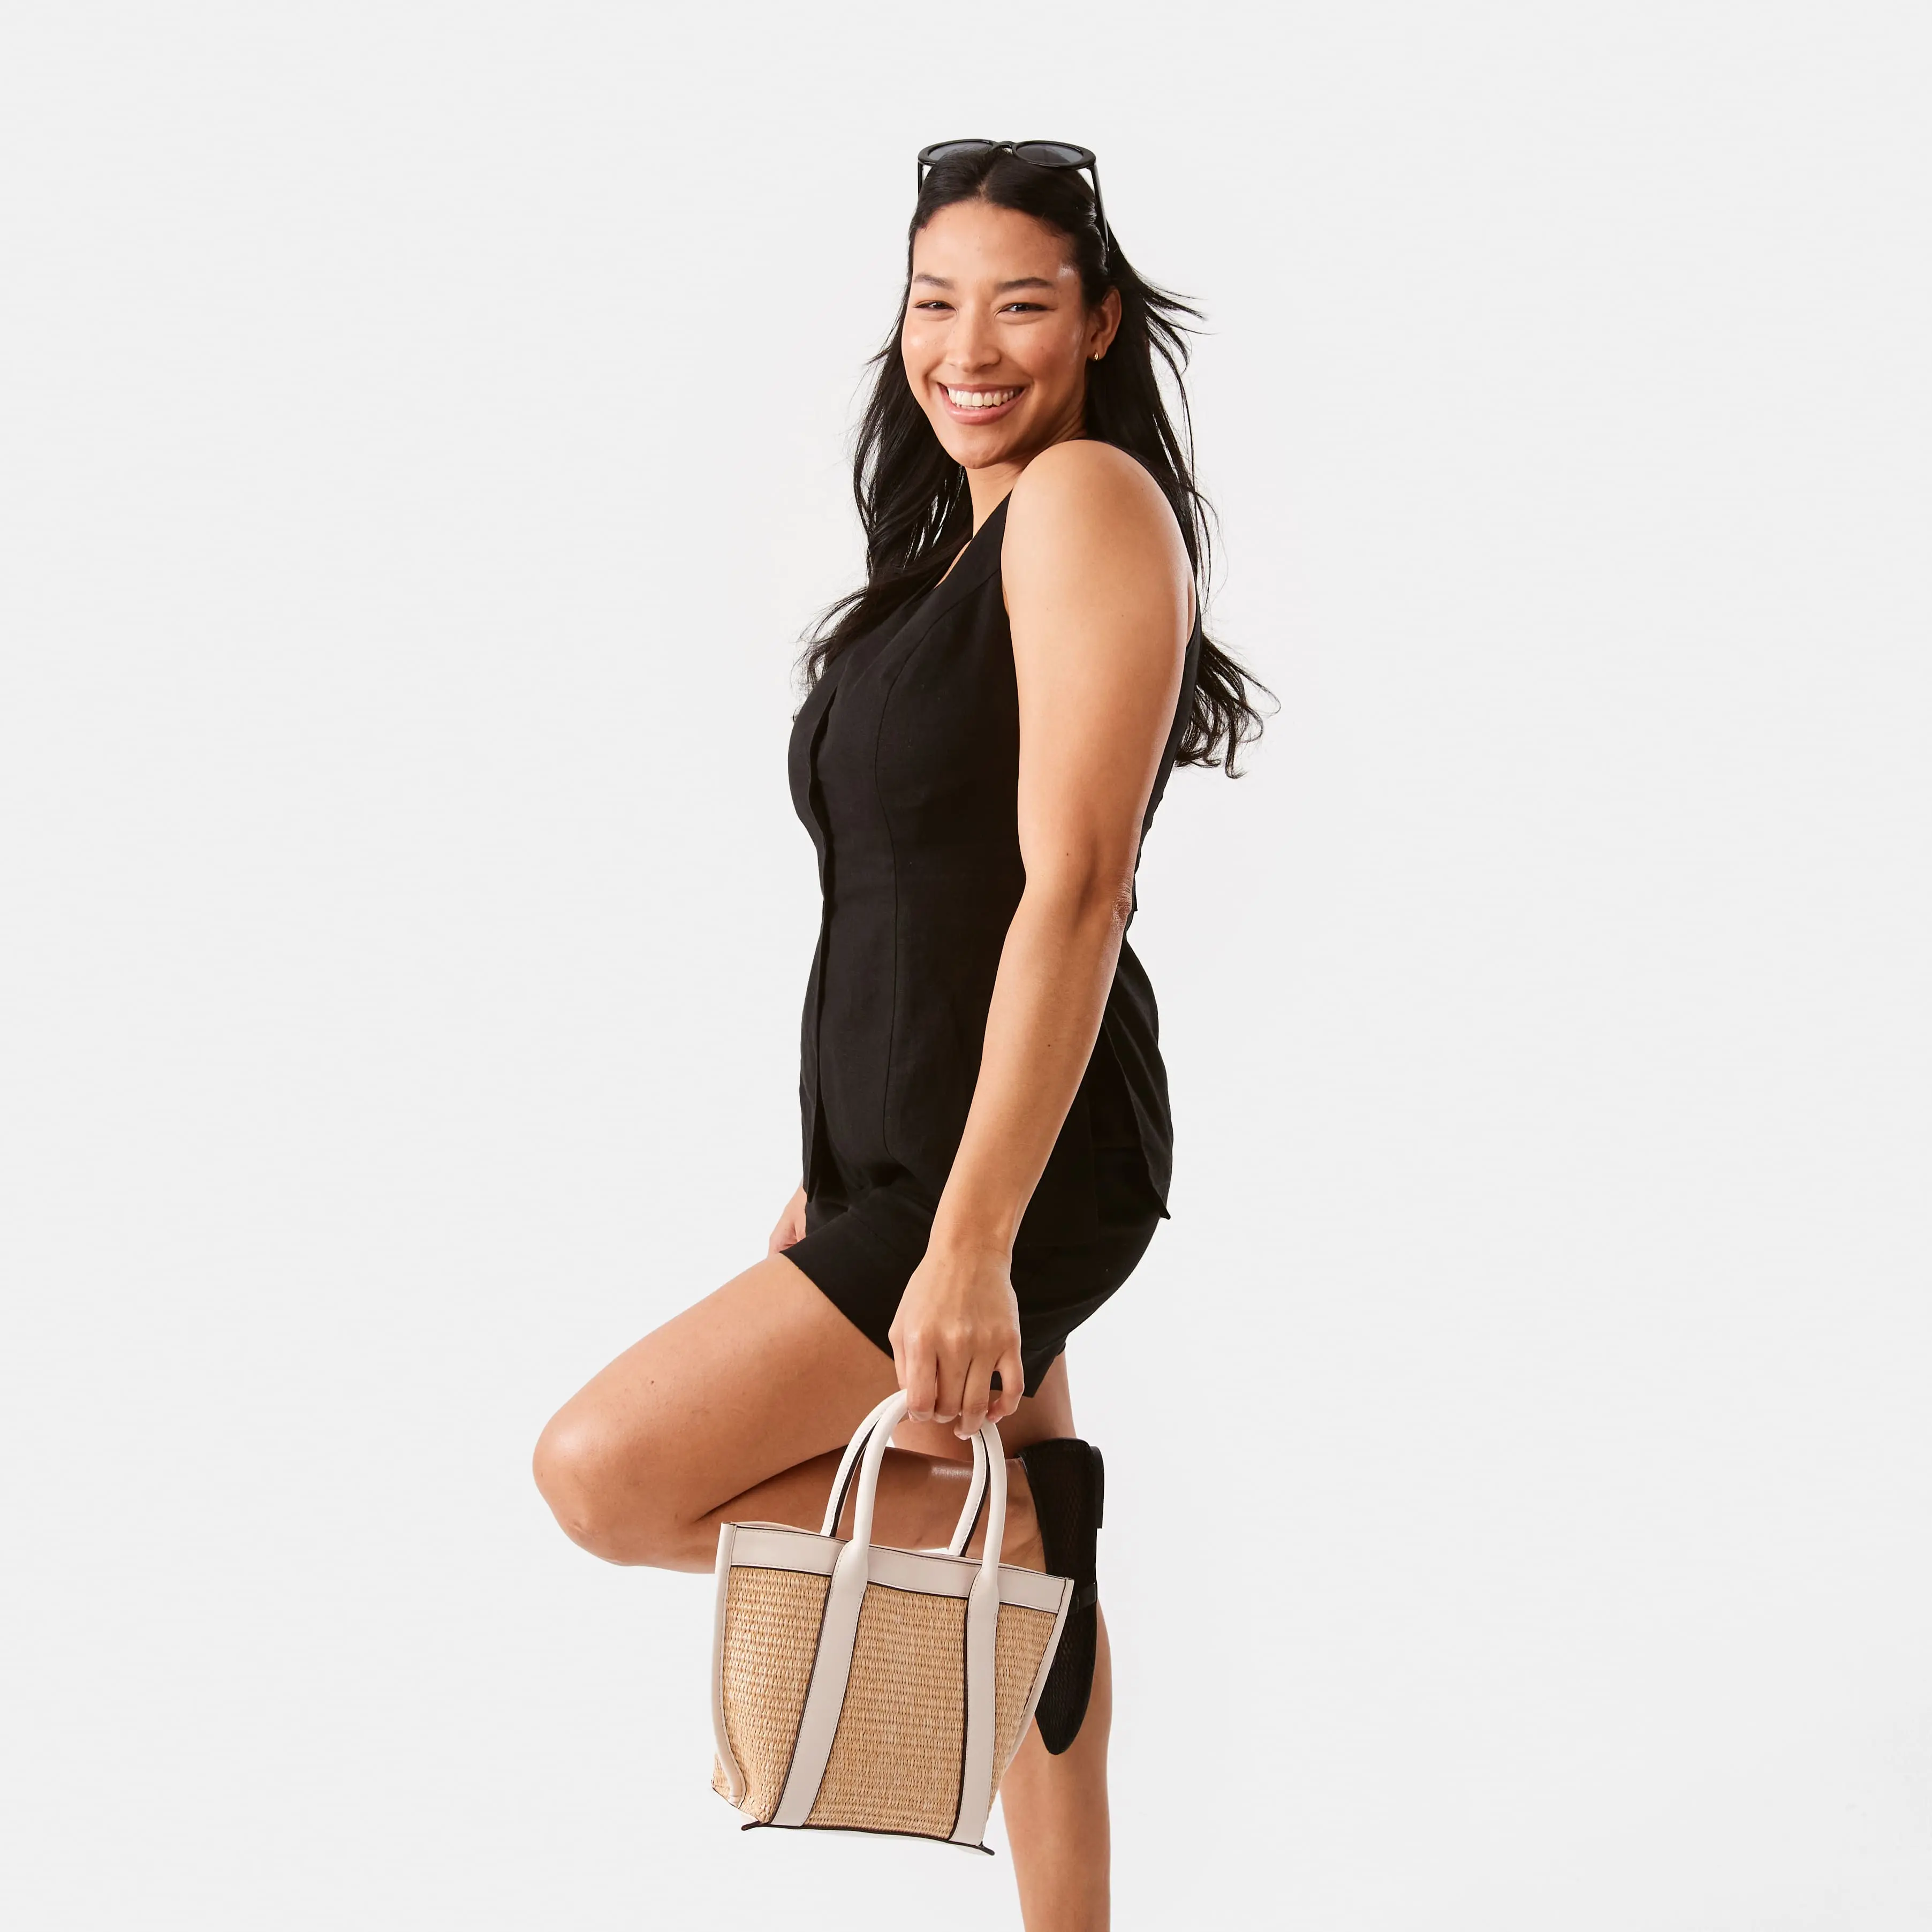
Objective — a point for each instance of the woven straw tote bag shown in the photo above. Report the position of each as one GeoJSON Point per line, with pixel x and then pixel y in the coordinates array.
{"type": "Point", "coordinates": [856, 1687]}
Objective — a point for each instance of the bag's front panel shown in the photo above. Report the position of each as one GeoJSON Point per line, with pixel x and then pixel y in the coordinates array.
{"type": "Point", "coordinates": [771, 1636]}
{"type": "Point", "coordinates": [1018, 1651]}
{"type": "Point", "coordinates": [897, 1754]}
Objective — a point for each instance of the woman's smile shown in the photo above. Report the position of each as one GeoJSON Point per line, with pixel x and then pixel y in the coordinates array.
{"type": "Point", "coordinates": [983, 402]}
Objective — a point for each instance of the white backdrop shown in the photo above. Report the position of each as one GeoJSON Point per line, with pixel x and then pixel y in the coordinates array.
{"type": "Point", "coordinates": [424, 434]}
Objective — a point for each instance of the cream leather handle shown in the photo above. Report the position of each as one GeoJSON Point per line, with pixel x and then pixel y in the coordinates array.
{"type": "Point", "coordinates": [841, 1484]}
{"type": "Point", "coordinates": [878, 1429]}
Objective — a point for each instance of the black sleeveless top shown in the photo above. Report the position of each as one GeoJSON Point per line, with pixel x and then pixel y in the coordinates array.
{"type": "Point", "coordinates": [904, 768]}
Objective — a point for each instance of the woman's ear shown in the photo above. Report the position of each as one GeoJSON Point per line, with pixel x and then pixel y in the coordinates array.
{"type": "Point", "coordinates": [1106, 325]}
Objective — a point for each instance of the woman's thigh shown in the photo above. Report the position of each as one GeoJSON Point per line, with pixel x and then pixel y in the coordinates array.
{"type": "Point", "coordinates": [762, 1374]}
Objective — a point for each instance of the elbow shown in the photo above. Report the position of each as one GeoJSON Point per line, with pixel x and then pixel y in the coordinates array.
{"type": "Point", "coordinates": [1096, 899]}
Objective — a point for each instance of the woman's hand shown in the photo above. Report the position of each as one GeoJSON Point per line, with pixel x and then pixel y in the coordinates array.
{"type": "Point", "coordinates": [958, 1322]}
{"type": "Point", "coordinates": [791, 1227]}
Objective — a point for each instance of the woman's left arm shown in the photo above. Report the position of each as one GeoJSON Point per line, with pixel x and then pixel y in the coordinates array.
{"type": "Point", "coordinates": [1099, 593]}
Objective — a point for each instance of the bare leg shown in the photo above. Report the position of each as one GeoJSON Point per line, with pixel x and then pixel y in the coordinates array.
{"type": "Point", "coordinates": [1056, 1813]}
{"type": "Point", "coordinates": [737, 1410]}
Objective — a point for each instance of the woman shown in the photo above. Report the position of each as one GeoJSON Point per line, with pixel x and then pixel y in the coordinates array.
{"type": "Point", "coordinates": [989, 725]}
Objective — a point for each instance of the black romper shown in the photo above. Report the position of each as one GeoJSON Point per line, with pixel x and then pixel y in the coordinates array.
{"type": "Point", "coordinates": [905, 767]}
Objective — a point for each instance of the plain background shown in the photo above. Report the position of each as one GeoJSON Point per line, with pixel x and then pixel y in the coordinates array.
{"type": "Point", "coordinates": [424, 433]}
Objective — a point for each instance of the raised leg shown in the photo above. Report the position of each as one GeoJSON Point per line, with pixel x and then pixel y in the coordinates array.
{"type": "Point", "coordinates": [737, 1410]}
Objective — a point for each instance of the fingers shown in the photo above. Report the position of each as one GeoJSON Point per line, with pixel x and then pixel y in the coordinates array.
{"type": "Point", "coordinates": [931, 1376]}
{"type": "Point", "coordinates": [1006, 1398]}
{"type": "Point", "coordinates": [976, 1400]}
{"type": "Point", "coordinates": [915, 1363]}
{"type": "Point", "coordinates": [955, 1365]}
{"type": "Point", "coordinates": [952, 1381]}
{"type": "Point", "coordinates": [919, 1376]}
{"type": "Point", "coordinates": [939, 1376]}
{"type": "Point", "coordinates": [952, 1333]}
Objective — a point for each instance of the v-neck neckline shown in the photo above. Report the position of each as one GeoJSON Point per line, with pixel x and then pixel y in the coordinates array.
{"type": "Point", "coordinates": [953, 568]}
{"type": "Point", "coordinates": [866, 649]}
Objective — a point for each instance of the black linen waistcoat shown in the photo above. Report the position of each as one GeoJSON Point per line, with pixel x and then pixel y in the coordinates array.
{"type": "Point", "coordinates": [904, 763]}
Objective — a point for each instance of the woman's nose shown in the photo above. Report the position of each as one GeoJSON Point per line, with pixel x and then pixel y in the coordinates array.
{"type": "Point", "coordinates": [971, 345]}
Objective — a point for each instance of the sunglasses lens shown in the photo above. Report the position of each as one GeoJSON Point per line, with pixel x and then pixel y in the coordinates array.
{"type": "Point", "coordinates": [1052, 155]}
{"type": "Point", "coordinates": [949, 151]}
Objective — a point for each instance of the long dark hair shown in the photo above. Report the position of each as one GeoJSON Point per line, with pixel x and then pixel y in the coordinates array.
{"type": "Point", "coordinates": [913, 498]}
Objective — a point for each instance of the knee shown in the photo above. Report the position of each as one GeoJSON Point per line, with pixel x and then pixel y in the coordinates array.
{"type": "Point", "coordinates": [608, 1497]}
{"type": "Point", "coordinates": [571, 1477]}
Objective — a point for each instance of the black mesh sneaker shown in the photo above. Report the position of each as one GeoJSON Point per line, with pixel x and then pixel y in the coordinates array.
{"type": "Point", "coordinates": [1068, 1480]}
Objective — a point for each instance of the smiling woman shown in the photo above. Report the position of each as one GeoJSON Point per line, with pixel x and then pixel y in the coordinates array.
{"type": "Point", "coordinates": [989, 726]}
{"type": "Point", "coordinates": [985, 347]}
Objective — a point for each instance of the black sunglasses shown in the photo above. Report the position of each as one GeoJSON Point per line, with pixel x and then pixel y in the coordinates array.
{"type": "Point", "coordinates": [1039, 154]}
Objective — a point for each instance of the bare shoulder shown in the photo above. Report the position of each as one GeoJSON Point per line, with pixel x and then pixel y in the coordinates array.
{"type": "Point", "coordinates": [1084, 510]}
{"type": "Point", "coordinates": [1086, 472]}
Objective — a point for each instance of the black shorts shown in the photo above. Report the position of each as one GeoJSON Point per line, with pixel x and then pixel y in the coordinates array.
{"type": "Point", "coordinates": [862, 1254]}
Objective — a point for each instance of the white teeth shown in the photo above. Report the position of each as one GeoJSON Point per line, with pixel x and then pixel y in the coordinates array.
{"type": "Point", "coordinates": [980, 399]}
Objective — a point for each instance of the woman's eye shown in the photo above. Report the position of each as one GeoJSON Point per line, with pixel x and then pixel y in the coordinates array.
{"type": "Point", "coordinates": [1037, 308]}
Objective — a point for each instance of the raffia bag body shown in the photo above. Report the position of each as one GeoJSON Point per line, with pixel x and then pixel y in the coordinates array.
{"type": "Point", "coordinates": [858, 1688]}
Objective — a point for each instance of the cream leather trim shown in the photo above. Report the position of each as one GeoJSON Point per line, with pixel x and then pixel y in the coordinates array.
{"type": "Point", "coordinates": [982, 1631]}
{"type": "Point", "coordinates": [734, 1776]}
{"type": "Point", "coordinates": [975, 1491]}
{"type": "Point", "coordinates": [826, 1698]}
{"type": "Point", "coordinates": [1045, 1670]}
{"type": "Point", "coordinates": [771, 1547]}
{"type": "Point", "coordinates": [834, 1503]}
{"type": "Point", "coordinates": [831, 1668]}
{"type": "Point", "coordinates": [762, 1545]}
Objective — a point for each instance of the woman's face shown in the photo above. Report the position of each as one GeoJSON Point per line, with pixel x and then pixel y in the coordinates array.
{"type": "Point", "coordinates": [997, 334]}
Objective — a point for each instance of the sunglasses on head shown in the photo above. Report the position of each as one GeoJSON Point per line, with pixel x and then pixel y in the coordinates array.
{"type": "Point", "coordinates": [1037, 154]}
